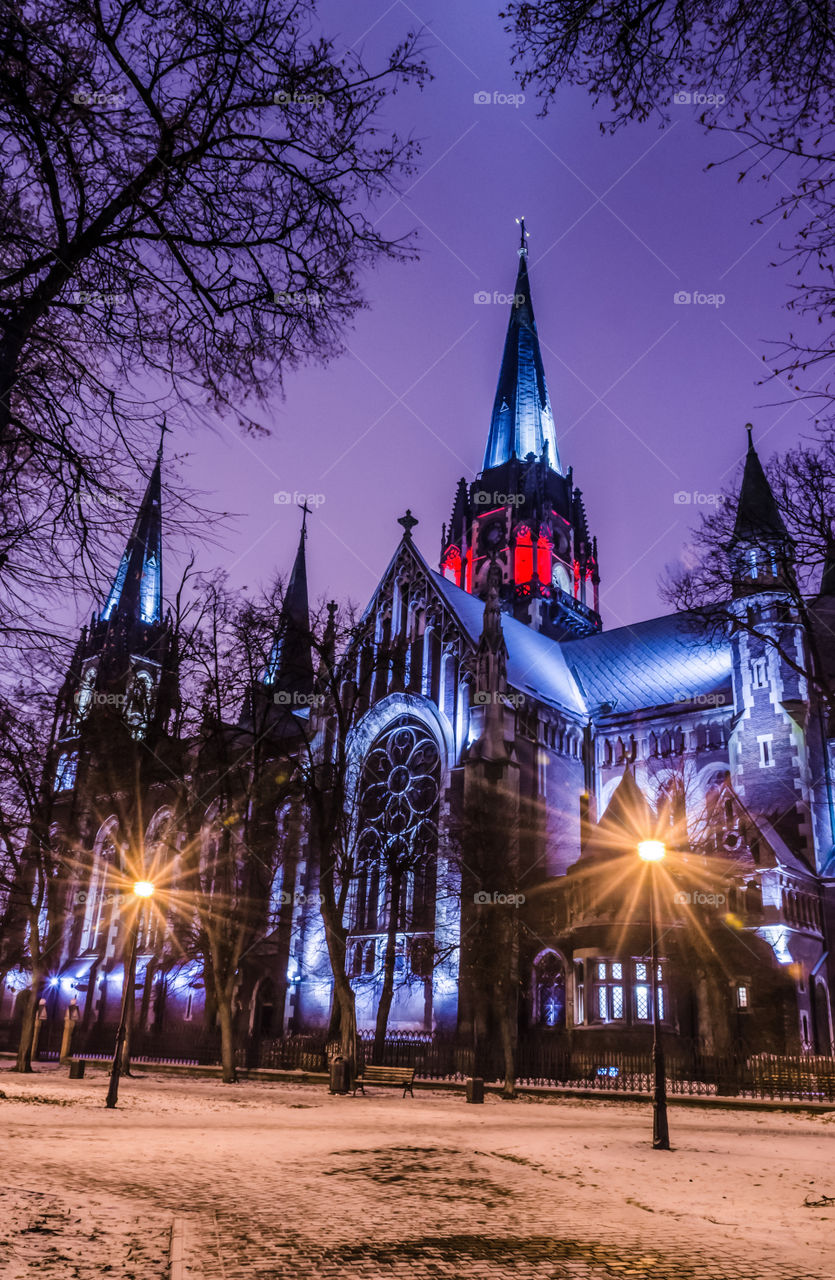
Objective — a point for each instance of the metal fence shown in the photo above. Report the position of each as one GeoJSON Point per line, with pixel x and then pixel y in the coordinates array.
{"type": "Point", "coordinates": [539, 1061]}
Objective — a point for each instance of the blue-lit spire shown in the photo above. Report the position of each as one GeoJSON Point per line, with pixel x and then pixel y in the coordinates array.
{"type": "Point", "coordinates": [136, 593]}
{"type": "Point", "coordinates": [522, 420]}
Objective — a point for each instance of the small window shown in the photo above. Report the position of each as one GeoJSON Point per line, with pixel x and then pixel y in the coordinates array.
{"type": "Point", "coordinates": [643, 1002]}
{"type": "Point", "coordinates": [189, 1013]}
{"type": "Point", "coordinates": [742, 996]}
{"type": "Point", "coordinates": [766, 743]}
{"type": "Point", "coordinates": [759, 674]}
{"type": "Point", "coordinates": [609, 1002]}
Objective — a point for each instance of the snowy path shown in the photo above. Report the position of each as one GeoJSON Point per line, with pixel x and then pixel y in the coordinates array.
{"type": "Point", "coordinates": [275, 1181]}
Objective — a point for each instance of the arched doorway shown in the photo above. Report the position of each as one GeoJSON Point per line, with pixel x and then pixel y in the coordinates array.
{"type": "Point", "coordinates": [549, 991]}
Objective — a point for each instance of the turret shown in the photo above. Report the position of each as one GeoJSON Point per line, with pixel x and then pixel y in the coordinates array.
{"type": "Point", "coordinates": [768, 751]}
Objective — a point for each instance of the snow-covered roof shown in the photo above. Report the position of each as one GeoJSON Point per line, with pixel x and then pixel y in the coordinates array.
{"type": "Point", "coordinates": [658, 663]}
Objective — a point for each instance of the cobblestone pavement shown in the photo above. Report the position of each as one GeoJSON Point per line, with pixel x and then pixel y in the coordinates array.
{"type": "Point", "coordinates": [275, 1182]}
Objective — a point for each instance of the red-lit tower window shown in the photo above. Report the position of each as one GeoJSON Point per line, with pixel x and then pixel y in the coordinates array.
{"type": "Point", "coordinates": [452, 565]}
{"type": "Point", "coordinates": [543, 560]}
{"type": "Point", "coordinates": [523, 557]}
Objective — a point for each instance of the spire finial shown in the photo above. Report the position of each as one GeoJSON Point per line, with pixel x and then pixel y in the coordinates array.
{"type": "Point", "coordinates": [523, 235]}
{"type": "Point", "coordinates": [163, 427]}
{"type": "Point", "coordinates": [408, 522]}
{"type": "Point", "coordinates": [305, 510]}
{"type": "Point", "coordinates": [749, 427]}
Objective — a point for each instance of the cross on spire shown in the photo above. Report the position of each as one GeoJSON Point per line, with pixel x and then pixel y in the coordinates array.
{"type": "Point", "coordinates": [163, 427]}
{"type": "Point", "coordinates": [523, 235]}
{"type": "Point", "coordinates": [306, 511]}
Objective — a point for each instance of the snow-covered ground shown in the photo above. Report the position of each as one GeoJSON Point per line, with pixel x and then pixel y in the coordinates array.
{"type": "Point", "coordinates": [276, 1180]}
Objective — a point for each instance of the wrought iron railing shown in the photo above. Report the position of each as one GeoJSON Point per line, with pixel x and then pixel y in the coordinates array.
{"type": "Point", "coordinates": [540, 1061]}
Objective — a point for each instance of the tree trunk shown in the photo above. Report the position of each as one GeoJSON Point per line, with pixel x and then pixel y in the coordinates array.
{"type": "Point", "coordinates": [508, 1034]}
{"type": "Point", "coordinates": [130, 1008]}
{"type": "Point", "coordinates": [344, 994]}
{"type": "Point", "coordinates": [387, 991]}
{"type": "Point", "coordinates": [334, 1020]}
{"type": "Point", "coordinates": [229, 1074]}
{"type": "Point", "coordinates": [27, 1026]}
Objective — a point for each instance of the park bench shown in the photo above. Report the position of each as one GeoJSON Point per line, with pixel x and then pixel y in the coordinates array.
{"type": "Point", "coordinates": [400, 1077]}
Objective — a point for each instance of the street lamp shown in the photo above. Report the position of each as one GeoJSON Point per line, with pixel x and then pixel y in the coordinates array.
{"type": "Point", "coordinates": [142, 889]}
{"type": "Point", "coordinates": [653, 852]}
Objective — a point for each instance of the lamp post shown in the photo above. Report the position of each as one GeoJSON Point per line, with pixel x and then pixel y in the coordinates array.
{"type": "Point", "coordinates": [653, 852]}
{"type": "Point", "coordinates": [142, 889]}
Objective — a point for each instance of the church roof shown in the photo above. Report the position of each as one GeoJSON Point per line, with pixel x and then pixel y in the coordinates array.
{"type": "Point", "coordinates": [662, 662]}
{"type": "Point", "coordinates": [534, 663]}
{"type": "Point", "coordinates": [522, 421]}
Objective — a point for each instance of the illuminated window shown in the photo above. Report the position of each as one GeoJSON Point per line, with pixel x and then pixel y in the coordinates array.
{"type": "Point", "coordinates": [523, 557]}
{"type": "Point", "coordinates": [543, 560]}
{"type": "Point", "coordinates": [742, 996]}
{"type": "Point", "coordinates": [86, 689]}
{"type": "Point", "coordinates": [608, 1001]}
{"type": "Point", "coordinates": [66, 770]}
{"type": "Point", "coordinates": [139, 706]}
{"type": "Point", "coordinates": [549, 983]}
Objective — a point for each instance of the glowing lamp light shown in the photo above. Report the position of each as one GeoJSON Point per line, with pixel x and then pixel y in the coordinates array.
{"type": "Point", "coordinates": [53, 982]}
{"type": "Point", "coordinates": [143, 889]}
{"type": "Point", "coordinates": [652, 850]}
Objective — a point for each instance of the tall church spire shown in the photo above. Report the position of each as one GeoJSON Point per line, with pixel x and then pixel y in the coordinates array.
{"type": "Point", "coordinates": [522, 421]}
{"type": "Point", "coordinates": [757, 515]}
{"type": "Point", "coordinates": [290, 666]}
{"type": "Point", "coordinates": [136, 594]}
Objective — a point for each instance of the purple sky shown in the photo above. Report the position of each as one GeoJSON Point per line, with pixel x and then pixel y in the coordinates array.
{"type": "Point", "coordinates": [650, 398]}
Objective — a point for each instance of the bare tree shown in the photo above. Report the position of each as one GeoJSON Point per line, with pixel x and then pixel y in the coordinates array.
{"type": "Point", "coordinates": [763, 74]}
{"type": "Point", "coordinates": [32, 865]}
{"type": "Point", "coordinates": [231, 796]}
{"type": "Point", "coordinates": [186, 197]}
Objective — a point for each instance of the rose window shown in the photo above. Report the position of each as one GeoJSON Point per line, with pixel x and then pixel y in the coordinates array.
{"type": "Point", "coordinates": [399, 809]}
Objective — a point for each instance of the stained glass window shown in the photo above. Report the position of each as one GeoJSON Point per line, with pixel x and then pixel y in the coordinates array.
{"type": "Point", "coordinates": [398, 830]}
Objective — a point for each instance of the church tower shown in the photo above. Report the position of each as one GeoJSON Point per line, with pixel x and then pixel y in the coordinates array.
{"type": "Point", "coordinates": [122, 678]}
{"type": "Point", "coordinates": [523, 510]}
{"type": "Point", "coordinates": [770, 768]}
{"type": "Point", "coordinates": [284, 694]}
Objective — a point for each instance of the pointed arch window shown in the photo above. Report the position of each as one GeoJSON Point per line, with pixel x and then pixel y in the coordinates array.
{"type": "Point", "coordinates": [66, 771]}
{"type": "Point", "coordinates": [139, 705]}
{"type": "Point", "coordinates": [523, 557]}
{"type": "Point", "coordinates": [549, 990]}
{"type": "Point", "coordinates": [86, 692]}
{"type": "Point", "coordinates": [398, 825]}
{"type": "Point", "coordinates": [101, 895]}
